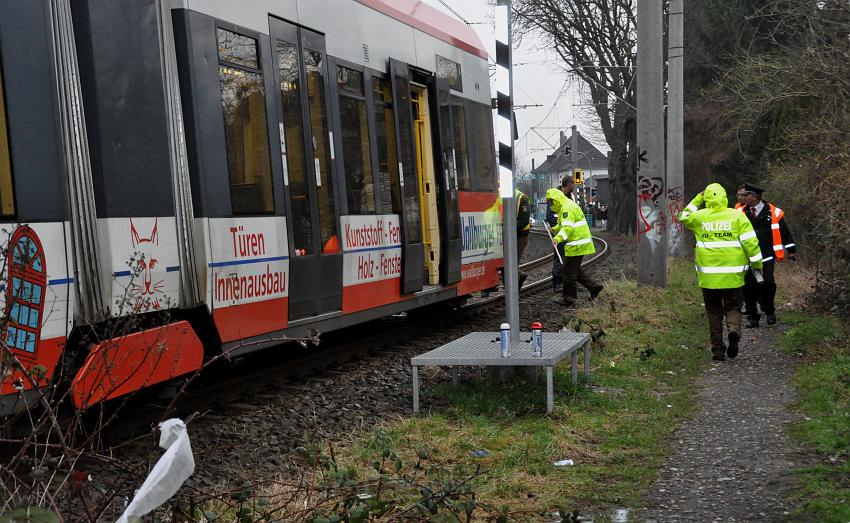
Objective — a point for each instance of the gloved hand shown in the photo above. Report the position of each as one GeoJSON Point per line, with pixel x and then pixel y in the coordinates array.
{"type": "Point", "coordinates": [793, 257]}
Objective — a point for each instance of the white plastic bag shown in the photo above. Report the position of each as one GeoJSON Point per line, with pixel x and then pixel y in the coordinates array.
{"type": "Point", "coordinates": [169, 473]}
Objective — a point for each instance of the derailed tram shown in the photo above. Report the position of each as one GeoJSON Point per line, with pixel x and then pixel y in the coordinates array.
{"type": "Point", "coordinates": [248, 170]}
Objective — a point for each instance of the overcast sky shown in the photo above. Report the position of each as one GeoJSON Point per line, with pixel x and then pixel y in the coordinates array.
{"type": "Point", "coordinates": [538, 82]}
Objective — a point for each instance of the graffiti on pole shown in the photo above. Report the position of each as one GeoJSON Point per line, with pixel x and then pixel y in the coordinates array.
{"type": "Point", "coordinates": [652, 220]}
{"type": "Point", "coordinates": [676, 232]}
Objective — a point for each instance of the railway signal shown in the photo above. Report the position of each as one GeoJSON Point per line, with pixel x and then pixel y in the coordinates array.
{"type": "Point", "coordinates": [505, 125]}
{"type": "Point", "coordinates": [578, 176]}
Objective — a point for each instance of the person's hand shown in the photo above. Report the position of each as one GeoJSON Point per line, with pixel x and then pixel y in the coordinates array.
{"type": "Point", "coordinates": [793, 257]}
{"type": "Point", "coordinates": [554, 242]}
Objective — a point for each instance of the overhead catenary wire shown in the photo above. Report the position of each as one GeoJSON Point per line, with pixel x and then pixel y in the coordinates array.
{"type": "Point", "coordinates": [561, 93]}
{"type": "Point", "coordinates": [462, 19]}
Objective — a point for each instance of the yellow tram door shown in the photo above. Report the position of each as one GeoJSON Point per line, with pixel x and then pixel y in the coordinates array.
{"type": "Point", "coordinates": [427, 182]}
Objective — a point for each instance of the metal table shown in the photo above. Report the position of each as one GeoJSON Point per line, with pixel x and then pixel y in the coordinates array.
{"type": "Point", "coordinates": [482, 349]}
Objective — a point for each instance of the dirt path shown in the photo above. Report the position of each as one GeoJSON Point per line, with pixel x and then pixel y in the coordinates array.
{"type": "Point", "coordinates": [734, 460]}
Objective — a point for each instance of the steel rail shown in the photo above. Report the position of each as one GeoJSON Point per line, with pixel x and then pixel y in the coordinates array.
{"type": "Point", "coordinates": [301, 366]}
{"type": "Point", "coordinates": [533, 286]}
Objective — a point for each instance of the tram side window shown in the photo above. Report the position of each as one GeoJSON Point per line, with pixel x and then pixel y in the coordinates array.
{"type": "Point", "coordinates": [482, 149]}
{"type": "Point", "coordinates": [388, 181]}
{"type": "Point", "coordinates": [356, 146]}
{"type": "Point", "coordinates": [293, 145]}
{"type": "Point", "coordinates": [448, 146]}
{"type": "Point", "coordinates": [455, 149]}
{"type": "Point", "coordinates": [243, 104]}
{"type": "Point", "coordinates": [7, 200]}
{"type": "Point", "coordinates": [461, 148]}
{"type": "Point", "coordinates": [314, 66]}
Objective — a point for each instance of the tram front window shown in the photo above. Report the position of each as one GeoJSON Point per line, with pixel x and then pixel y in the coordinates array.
{"type": "Point", "coordinates": [483, 176]}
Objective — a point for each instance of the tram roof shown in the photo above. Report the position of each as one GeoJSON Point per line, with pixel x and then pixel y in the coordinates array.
{"type": "Point", "coordinates": [434, 22]}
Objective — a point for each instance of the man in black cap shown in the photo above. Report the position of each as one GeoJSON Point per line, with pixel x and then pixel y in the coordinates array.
{"type": "Point", "coordinates": [775, 241]}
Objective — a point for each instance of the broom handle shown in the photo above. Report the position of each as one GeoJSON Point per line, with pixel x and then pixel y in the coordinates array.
{"type": "Point", "coordinates": [551, 239]}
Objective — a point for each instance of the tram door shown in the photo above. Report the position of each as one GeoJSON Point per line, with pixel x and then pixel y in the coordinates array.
{"type": "Point", "coordinates": [306, 152]}
{"type": "Point", "coordinates": [426, 182]}
{"type": "Point", "coordinates": [447, 169]}
{"type": "Point", "coordinates": [412, 249]}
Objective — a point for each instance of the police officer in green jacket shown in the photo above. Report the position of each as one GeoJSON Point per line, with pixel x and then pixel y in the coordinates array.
{"type": "Point", "coordinates": [726, 248]}
{"type": "Point", "coordinates": [573, 231]}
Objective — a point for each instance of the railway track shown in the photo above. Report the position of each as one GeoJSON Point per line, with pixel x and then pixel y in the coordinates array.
{"type": "Point", "coordinates": [601, 252]}
{"type": "Point", "coordinates": [370, 341]}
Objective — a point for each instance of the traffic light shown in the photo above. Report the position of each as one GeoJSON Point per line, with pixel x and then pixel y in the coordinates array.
{"type": "Point", "coordinates": [578, 176]}
{"type": "Point", "coordinates": [567, 150]}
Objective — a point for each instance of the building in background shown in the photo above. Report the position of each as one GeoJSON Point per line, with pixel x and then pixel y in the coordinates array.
{"type": "Point", "coordinates": [592, 161]}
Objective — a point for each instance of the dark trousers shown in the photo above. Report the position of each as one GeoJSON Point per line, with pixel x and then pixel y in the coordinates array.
{"type": "Point", "coordinates": [719, 304]}
{"type": "Point", "coordinates": [521, 243]}
{"type": "Point", "coordinates": [558, 269]}
{"type": "Point", "coordinates": [762, 294]}
{"type": "Point", "coordinates": [573, 273]}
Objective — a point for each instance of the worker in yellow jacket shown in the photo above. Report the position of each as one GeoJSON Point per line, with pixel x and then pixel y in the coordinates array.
{"type": "Point", "coordinates": [573, 231]}
{"type": "Point", "coordinates": [726, 248]}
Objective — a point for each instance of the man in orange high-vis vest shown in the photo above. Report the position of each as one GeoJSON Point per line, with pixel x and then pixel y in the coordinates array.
{"type": "Point", "coordinates": [776, 243]}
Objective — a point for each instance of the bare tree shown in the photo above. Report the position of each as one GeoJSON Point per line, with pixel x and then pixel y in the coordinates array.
{"type": "Point", "coordinates": [596, 40]}
{"type": "Point", "coordinates": [785, 104]}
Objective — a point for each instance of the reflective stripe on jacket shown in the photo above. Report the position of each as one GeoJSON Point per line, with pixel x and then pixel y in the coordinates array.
{"type": "Point", "coordinates": [776, 215]}
{"type": "Point", "coordinates": [726, 244]}
{"type": "Point", "coordinates": [572, 227]}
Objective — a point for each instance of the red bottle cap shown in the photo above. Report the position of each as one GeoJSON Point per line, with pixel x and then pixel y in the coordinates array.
{"type": "Point", "coordinates": [536, 325]}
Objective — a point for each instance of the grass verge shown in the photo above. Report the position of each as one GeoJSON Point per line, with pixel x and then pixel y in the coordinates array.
{"type": "Point", "coordinates": [823, 384]}
{"type": "Point", "coordinates": [613, 426]}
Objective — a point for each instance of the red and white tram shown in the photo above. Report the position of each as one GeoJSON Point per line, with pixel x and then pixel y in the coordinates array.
{"type": "Point", "coordinates": [254, 169]}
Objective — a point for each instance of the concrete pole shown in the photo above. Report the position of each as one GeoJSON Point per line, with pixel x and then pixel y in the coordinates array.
{"type": "Point", "coordinates": [675, 129]}
{"type": "Point", "coordinates": [651, 190]}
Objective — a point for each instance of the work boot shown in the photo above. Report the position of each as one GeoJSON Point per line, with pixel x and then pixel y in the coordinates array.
{"type": "Point", "coordinates": [752, 323]}
{"type": "Point", "coordinates": [569, 303]}
{"type": "Point", "coordinates": [522, 277]}
{"type": "Point", "coordinates": [595, 292]}
{"type": "Point", "coordinates": [771, 318]}
{"type": "Point", "coordinates": [734, 338]}
{"type": "Point", "coordinates": [718, 355]}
